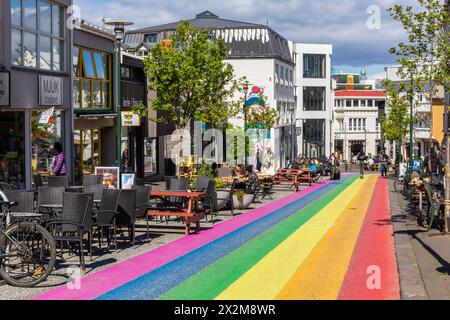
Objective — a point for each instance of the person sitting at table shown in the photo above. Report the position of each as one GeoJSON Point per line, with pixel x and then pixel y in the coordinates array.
{"type": "Point", "coordinates": [268, 169]}
{"type": "Point", "coordinates": [313, 168]}
{"type": "Point", "coordinates": [239, 171]}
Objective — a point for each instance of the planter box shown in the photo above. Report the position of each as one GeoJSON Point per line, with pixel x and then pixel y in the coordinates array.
{"type": "Point", "coordinates": [222, 198]}
{"type": "Point", "coordinates": [243, 202]}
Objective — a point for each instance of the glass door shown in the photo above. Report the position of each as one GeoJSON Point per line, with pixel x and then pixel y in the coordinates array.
{"type": "Point", "coordinates": [87, 152]}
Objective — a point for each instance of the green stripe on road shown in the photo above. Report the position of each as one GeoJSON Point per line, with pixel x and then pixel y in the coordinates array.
{"type": "Point", "coordinates": [214, 279]}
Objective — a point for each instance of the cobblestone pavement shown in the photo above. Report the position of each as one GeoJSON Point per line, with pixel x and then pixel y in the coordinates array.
{"type": "Point", "coordinates": [423, 257]}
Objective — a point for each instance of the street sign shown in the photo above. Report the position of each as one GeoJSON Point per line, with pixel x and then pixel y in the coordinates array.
{"type": "Point", "coordinates": [130, 119]}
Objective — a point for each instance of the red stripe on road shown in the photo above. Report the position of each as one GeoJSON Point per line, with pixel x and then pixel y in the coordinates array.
{"type": "Point", "coordinates": [373, 273]}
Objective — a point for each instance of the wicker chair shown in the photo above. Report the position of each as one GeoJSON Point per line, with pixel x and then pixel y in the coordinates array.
{"type": "Point", "coordinates": [48, 195]}
{"type": "Point", "coordinates": [142, 205]}
{"type": "Point", "coordinates": [37, 179]}
{"type": "Point", "coordinates": [58, 181]}
{"type": "Point", "coordinates": [208, 201]}
{"type": "Point", "coordinates": [105, 217]}
{"type": "Point", "coordinates": [97, 190]}
{"type": "Point", "coordinates": [74, 222]}
{"type": "Point", "coordinates": [127, 212]}
{"type": "Point", "coordinates": [89, 180]}
{"type": "Point", "coordinates": [24, 200]}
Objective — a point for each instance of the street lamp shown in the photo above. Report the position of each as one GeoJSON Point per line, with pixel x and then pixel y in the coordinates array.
{"type": "Point", "coordinates": [245, 87]}
{"type": "Point", "coordinates": [292, 110]}
{"type": "Point", "coordinates": [119, 32]}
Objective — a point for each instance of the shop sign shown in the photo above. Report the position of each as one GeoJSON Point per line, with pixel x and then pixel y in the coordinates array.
{"type": "Point", "coordinates": [46, 115]}
{"type": "Point", "coordinates": [130, 119]}
{"type": "Point", "coordinates": [50, 91]}
{"type": "Point", "coordinates": [4, 89]}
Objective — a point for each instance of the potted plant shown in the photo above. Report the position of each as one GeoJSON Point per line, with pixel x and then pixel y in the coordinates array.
{"type": "Point", "coordinates": [242, 200]}
{"type": "Point", "coordinates": [222, 195]}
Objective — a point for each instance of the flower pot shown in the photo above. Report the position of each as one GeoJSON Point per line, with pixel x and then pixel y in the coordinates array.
{"type": "Point", "coordinates": [243, 202]}
{"type": "Point", "coordinates": [222, 198]}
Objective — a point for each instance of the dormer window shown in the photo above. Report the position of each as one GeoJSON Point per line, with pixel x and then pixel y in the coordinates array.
{"type": "Point", "coordinates": [151, 38]}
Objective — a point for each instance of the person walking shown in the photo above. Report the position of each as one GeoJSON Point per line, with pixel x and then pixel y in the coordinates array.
{"type": "Point", "coordinates": [59, 161]}
{"type": "Point", "coordinates": [361, 157]}
{"type": "Point", "coordinates": [384, 162]}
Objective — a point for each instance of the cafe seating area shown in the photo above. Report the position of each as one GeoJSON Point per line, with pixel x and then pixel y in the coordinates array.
{"type": "Point", "coordinates": [94, 219]}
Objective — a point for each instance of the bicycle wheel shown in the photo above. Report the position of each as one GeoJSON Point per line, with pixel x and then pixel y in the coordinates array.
{"type": "Point", "coordinates": [29, 254]}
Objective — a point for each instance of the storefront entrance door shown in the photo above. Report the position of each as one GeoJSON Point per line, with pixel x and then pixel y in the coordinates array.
{"type": "Point", "coordinates": [87, 152]}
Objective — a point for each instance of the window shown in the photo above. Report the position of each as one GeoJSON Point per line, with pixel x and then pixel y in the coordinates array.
{"type": "Point", "coordinates": [152, 38]}
{"type": "Point", "coordinates": [276, 73]}
{"type": "Point", "coordinates": [378, 124]}
{"type": "Point", "coordinates": [348, 103]}
{"type": "Point", "coordinates": [314, 66]}
{"type": "Point", "coordinates": [313, 98]}
{"type": "Point", "coordinates": [357, 124]}
{"type": "Point", "coordinates": [370, 103]}
{"type": "Point", "coordinates": [314, 138]}
{"type": "Point", "coordinates": [282, 75]}
{"type": "Point", "coordinates": [286, 77]}
{"type": "Point", "coordinates": [291, 77]}
{"type": "Point", "coordinates": [363, 103]}
{"type": "Point", "coordinates": [356, 103]}
{"type": "Point", "coordinates": [37, 34]}
{"type": "Point", "coordinates": [92, 79]}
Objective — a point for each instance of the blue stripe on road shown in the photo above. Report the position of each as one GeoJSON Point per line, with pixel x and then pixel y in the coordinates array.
{"type": "Point", "coordinates": [157, 282]}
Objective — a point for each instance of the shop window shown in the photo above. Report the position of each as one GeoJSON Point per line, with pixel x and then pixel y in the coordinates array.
{"type": "Point", "coordinates": [45, 53]}
{"type": "Point", "coordinates": [30, 13]}
{"type": "Point", "coordinates": [46, 17]}
{"type": "Point", "coordinates": [44, 135]}
{"type": "Point", "coordinates": [16, 13]}
{"type": "Point", "coordinates": [87, 152]}
{"type": "Point", "coordinates": [29, 50]}
{"type": "Point", "coordinates": [12, 148]}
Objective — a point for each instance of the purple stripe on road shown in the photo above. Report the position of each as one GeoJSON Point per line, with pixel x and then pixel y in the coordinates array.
{"type": "Point", "coordinates": [110, 278]}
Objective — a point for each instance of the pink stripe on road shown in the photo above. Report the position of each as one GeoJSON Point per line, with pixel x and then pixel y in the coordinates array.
{"type": "Point", "coordinates": [110, 278]}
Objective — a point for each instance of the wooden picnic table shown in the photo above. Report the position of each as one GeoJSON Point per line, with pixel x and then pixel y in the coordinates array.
{"type": "Point", "coordinates": [190, 214]}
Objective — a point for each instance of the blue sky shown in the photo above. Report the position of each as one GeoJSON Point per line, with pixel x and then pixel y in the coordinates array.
{"type": "Point", "coordinates": [343, 23]}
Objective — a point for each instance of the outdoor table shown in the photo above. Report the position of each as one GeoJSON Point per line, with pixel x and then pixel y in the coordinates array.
{"type": "Point", "coordinates": [22, 216]}
{"type": "Point", "coordinates": [266, 182]}
{"type": "Point", "coordinates": [190, 214]}
{"type": "Point", "coordinates": [75, 188]}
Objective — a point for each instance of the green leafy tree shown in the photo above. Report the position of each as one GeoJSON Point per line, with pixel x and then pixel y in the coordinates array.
{"type": "Point", "coordinates": [395, 124]}
{"type": "Point", "coordinates": [191, 79]}
{"type": "Point", "coordinates": [424, 57]}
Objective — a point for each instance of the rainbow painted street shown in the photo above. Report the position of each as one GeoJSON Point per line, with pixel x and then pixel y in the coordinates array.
{"type": "Point", "coordinates": [333, 240]}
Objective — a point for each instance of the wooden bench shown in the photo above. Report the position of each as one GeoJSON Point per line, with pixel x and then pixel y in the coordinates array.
{"type": "Point", "coordinates": [287, 176]}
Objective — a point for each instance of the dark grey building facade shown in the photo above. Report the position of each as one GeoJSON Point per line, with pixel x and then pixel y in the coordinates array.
{"type": "Point", "coordinates": [35, 109]}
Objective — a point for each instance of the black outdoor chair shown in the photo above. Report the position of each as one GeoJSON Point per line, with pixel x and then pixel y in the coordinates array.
{"type": "Point", "coordinates": [127, 212]}
{"type": "Point", "coordinates": [5, 186]}
{"type": "Point", "coordinates": [48, 195]}
{"type": "Point", "coordinates": [140, 181]}
{"type": "Point", "coordinates": [24, 200]}
{"type": "Point", "coordinates": [168, 180]}
{"type": "Point", "coordinates": [97, 190]}
{"type": "Point", "coordinates": [58, 181]}
{"type": "Point", "coordinates": [202, 182]}
{"type": "Point", "coordinates": [208, 201]}
{"type": "Point", "coordinates": [105, 217]}
{"type": "Point", "coordinates": [142, 205]}
{"type": "Point", "coordinates": [89, 180]}
{"type": "Point", "coordinates": [74, 222]}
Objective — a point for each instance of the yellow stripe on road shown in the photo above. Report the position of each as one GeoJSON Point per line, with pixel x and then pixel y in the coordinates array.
{"type": "Point", "coordinates": [268, 277]}
{"type": "Point", "coordinates": [322, 274]}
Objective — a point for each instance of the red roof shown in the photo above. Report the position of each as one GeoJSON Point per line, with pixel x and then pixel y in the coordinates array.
{"type": "Point", "coordinates": [360, 93]}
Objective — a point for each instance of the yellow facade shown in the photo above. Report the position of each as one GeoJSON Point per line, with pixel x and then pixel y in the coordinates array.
{"type": "Point", "coordinates": [438, 122]}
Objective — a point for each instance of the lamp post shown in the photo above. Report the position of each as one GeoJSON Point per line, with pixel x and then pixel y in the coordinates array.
{"type": "Point", "coordinates": [245, 87]}
{"type": "Point", "coordinates": [119, 32]}
{"type": "Point", "coordinates": [411, 100]}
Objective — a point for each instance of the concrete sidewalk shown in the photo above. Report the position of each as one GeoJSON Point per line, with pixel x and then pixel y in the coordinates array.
{"type": "Point", "coordinates": [423, 257]}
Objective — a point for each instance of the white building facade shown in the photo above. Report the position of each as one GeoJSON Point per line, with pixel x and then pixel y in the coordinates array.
{"type": "Point", "coordinates": [314, 95]}
{"type": "Point", "coordinates": [356, 122]}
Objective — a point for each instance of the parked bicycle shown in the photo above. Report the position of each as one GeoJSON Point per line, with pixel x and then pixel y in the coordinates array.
{"type": "Point", "coordinates": [27, 249]}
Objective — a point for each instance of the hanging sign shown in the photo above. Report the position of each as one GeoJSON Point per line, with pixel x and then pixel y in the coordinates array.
{"type": "Point", "coordinates": [130, 119]}
{"type": "Point", "coordinates": [46, 115]}
{"type": "Point", "coordinates": [50, 91]}
{"type": "Point", "coordinates": [4, 89]}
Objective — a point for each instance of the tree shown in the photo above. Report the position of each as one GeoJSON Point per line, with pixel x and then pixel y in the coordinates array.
{"type": "Point", "coordinates": [191, 79]}
{"type": "Point", "coordinates": [395, 124]}
{"type": "Point", "coordinates": [424, 58]}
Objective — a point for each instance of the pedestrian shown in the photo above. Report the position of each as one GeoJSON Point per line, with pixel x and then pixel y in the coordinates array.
{"type": "Point", "coordinates": [361, 157]}
{"type": "Point", "coordinates": [442, 157]}
{"type": "Point", "coordinates": [384, 162]}
{"type": "Point", "coordinates": [59, 161]}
